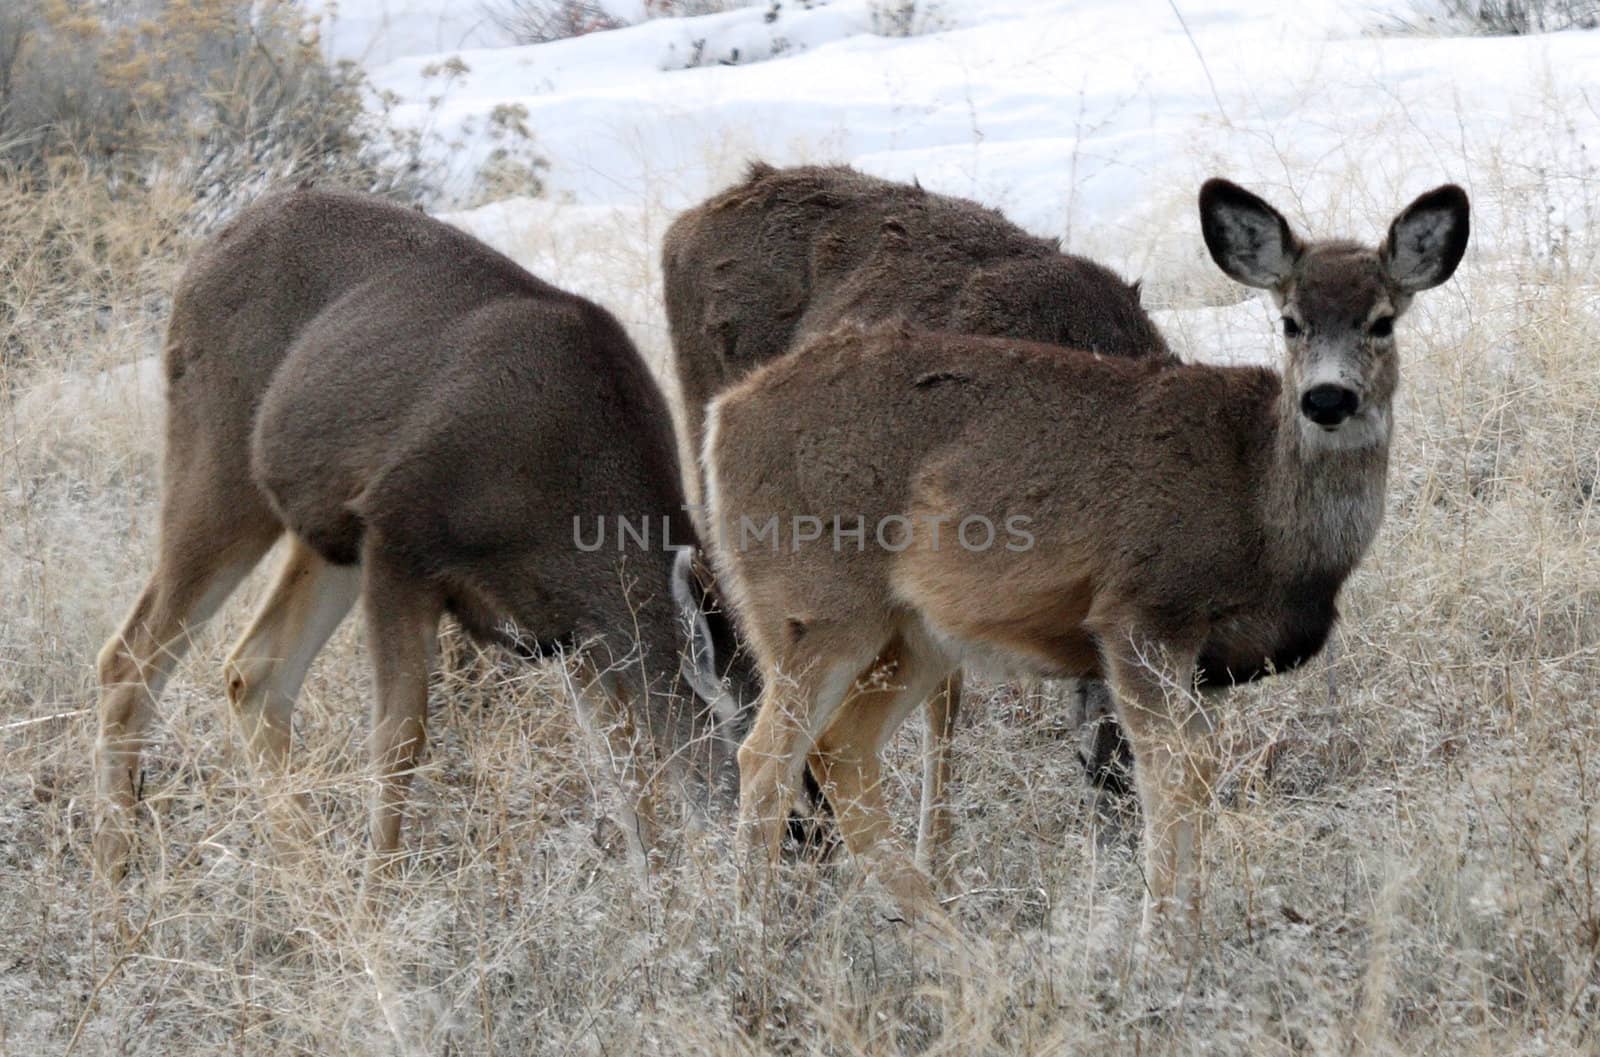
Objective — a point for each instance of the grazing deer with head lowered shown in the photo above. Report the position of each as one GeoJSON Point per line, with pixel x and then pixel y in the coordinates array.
{"type": "Point", "coordinates": [429, 425]}
{"type": "Point", "coordinates": [788, 254]}
{"type": "Point", "coordinates": [1060, 513]}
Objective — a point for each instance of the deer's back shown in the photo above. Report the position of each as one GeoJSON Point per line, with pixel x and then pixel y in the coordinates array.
{"type": "Point", "coordinates": [1130, 480]}
{"type": "Point", "coordinates": [792, 252]}
{"type": "Point", "coordinates": [285, 259]}
{"type": "Point", "coordinates": [370, 368]}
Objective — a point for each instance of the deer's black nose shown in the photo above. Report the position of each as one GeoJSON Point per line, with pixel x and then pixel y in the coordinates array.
{"type": "Point", "coordinates": [1329, 405]}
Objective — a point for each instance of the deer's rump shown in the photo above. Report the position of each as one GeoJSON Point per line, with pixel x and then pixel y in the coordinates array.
{"type": "Point", "coordinates": [445, 441]}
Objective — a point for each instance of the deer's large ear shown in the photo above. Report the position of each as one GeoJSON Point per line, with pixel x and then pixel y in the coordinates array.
{"type": "Point", "coordinates": [1247, 238]}
{"type": "Point", "coordinates": [1427, 239]}
{"type": "Point", "coordinates": [699, 662]}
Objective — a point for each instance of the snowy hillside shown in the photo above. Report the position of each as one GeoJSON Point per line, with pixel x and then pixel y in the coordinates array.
{"type": "Point", "coordinates": [1093, 120]}
{"type": "Point", "coordinates": [373, 32]}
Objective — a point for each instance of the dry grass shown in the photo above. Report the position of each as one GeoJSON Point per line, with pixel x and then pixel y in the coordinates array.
{"type": "Point", "coordinates": [1408, 856]}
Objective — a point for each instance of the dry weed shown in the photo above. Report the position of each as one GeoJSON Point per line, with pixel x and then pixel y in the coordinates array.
{"type": "Point", "coordinates": [1408, 858]}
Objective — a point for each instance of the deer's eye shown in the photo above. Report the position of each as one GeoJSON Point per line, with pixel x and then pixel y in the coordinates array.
{"type": "Point", "coordinates": [1382, 327]}
{"type": "Point", "coordinates": [1291, 329]}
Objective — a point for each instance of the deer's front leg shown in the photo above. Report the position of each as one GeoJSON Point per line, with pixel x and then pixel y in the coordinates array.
{"type": "Point", "coordinates": [1175, 770]}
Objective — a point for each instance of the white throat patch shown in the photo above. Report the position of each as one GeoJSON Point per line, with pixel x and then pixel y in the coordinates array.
{"type": "Point", "coordinates": [1368, 428]}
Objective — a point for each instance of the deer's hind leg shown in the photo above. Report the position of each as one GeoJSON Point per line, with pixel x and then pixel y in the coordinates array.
{"type": "Point", "coordinates": [796, 704]}
{"type": "Point", "coordinates": [266, 668]}
{"type": "Point", "coordinates": [621, 738]}
{"type": "Point", "coordinates": [209, 542]}
{"type": "Point", "coordinates": [848, 766]}
{"type": "Point", "coordinates": [402, 614]}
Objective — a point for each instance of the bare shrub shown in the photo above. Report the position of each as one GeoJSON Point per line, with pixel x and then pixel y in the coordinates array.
{"type": "Point", "coordinates": [541, 21]}
{"type": "Point", "coordinates": [82, 259]}
{"type": "Point", "coordinates": [692, 8]}
{"type": "Point", "coordinates": [1497, 18]}
{"type": "Point", "coordinates": [906, 18]}
{"type": "Point", "coordinates": [125, 124]}
{"type": "Point", "coordinates": [513, 167]}
{"type": "Point", "coordinates": [225, 94]}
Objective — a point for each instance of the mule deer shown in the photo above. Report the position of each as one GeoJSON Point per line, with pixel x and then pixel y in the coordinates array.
{"type": "Point", "coordinates": [429, 424]}
{"type": "Point", "coordinates": [788, 254]}
{"type": "Point", "coordinates": [1163, 526]}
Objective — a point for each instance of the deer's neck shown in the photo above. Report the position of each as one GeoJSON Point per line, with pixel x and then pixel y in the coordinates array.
{"type": "Point", "coordinates": [1324, 496]}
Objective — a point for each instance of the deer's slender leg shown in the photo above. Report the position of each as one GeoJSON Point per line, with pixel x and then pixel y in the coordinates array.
{"type": "Point", "coordinates": [268, 665]}
{"type": "Point", "coordinates": [934, 825]}
{"type": "Point", "coordinates": [197, 571]}
{"type": "Point", "coordinates": [849, 768]}
{"type": "Point", "coordinates": [1102, 749]}
{"type": "Point", "coordinates": [792, 709]}
{"type": "Point", "coordinates": [607, 716]}
{"type": "Point", "coordinates": [1175, 766]}
{"type": "Point", "coordinates": [403, 625]}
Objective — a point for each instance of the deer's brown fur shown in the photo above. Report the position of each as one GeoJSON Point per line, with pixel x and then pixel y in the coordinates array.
{"type": "Point", "coordinates": [788, 254]}
{"type": "Point", "coordinates": [425, 420]}
{"type": "Point", "coordinates": [1184, 521]}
